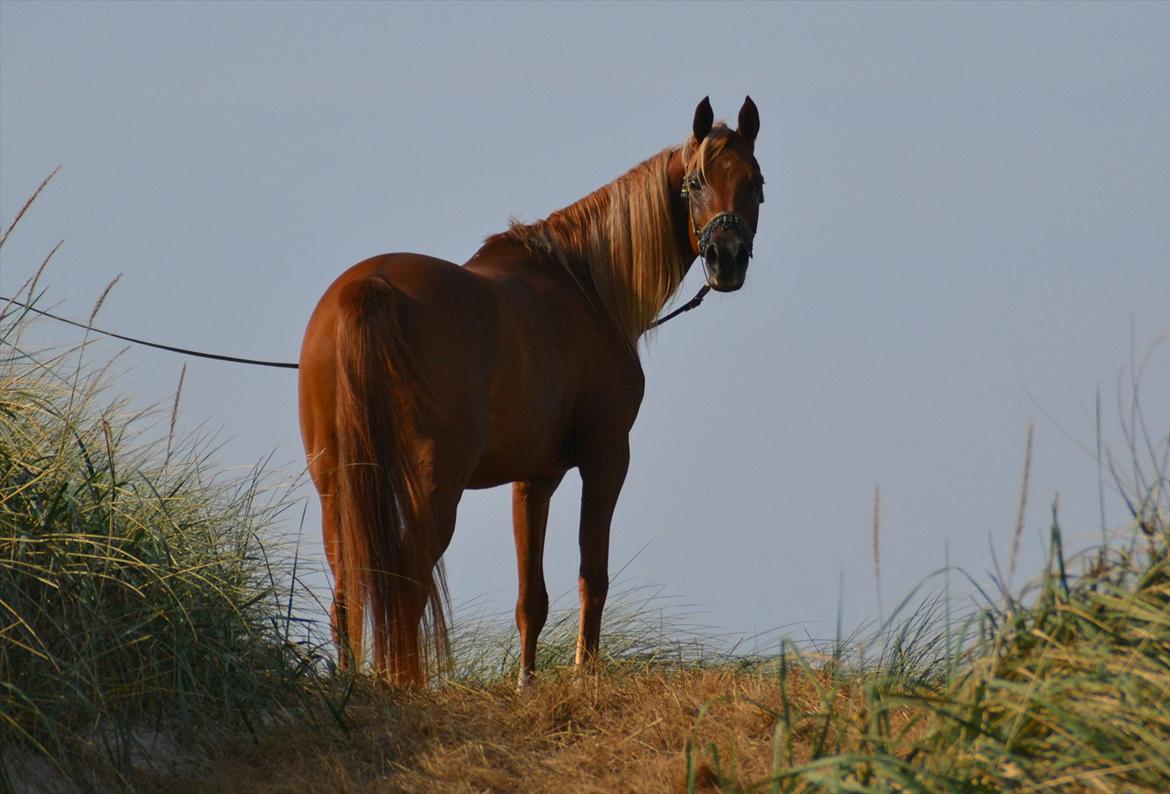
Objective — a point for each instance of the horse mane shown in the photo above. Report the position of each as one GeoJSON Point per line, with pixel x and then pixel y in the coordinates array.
{"type": "Point", "coordinates": [622, 236]}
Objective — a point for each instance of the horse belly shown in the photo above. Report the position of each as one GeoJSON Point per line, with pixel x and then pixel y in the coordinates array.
{"type": "Point", "coordinates": [529, 435]}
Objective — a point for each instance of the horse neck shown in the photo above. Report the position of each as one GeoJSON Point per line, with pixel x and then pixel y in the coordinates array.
{"type": "Point", "coordinates": [633, 242]}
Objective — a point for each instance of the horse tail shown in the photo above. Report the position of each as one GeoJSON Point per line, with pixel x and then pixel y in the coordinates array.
{"type": "Point", "coordinates": [387, 533]}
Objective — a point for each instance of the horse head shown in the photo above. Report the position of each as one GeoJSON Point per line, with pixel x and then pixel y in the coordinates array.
{"type": "Point", "coordinates": [723, 189]}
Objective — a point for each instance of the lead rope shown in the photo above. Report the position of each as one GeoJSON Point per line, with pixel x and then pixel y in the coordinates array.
{"type": "Point", "coordinates": [686, 307]}
{"type": "Point", "coordinates": [183, 350]}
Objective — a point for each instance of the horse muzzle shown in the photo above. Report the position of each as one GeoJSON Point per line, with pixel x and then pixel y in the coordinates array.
{"type": "Point", "coordinates": [725, 258]}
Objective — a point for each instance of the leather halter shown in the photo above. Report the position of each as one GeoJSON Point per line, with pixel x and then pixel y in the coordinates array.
{"type": "Point", "coordinates": [724, 220]}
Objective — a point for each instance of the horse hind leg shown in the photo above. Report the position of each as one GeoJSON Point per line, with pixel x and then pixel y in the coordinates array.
{"type": "Point", "coordinates": [347, 642]}
{"type": "Point", "coordinates": [530, 502]}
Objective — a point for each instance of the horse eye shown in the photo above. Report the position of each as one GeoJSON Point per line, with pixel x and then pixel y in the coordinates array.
{"type": "Point", "coordinates": [693, 182]}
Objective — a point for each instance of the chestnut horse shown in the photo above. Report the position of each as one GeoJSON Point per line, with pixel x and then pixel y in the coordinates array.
{"type": "Point", "coordinates": [420, 378]}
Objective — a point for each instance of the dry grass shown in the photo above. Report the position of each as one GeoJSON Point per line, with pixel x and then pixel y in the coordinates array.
{"type": "Point", "coordinates": [624, 731]}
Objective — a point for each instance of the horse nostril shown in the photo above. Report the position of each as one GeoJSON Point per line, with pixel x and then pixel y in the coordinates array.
{"type": "Point", "coordinates": [711, 254]}
{"type": "Point", "coordinates": [742, 256]}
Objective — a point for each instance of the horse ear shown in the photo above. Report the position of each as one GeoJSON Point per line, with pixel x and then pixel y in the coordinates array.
{"type": "Point", "coordinates": [749, 120]}
{"type": "Point", "coordinates": [704, 118]}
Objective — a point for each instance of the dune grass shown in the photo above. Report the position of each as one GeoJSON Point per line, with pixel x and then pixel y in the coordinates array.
{"type": "Point", "coordinates": [1061, 686]}
{"type": "Point", "coordinates": [1067, 692]}
{"type": "Point", "coordinates": [143, 593]}
{"type": "Point", "coordinates": [137, 592]}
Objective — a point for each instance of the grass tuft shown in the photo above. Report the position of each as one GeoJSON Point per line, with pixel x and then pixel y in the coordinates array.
{"type": "Point", "coordinates": [143, 594]}
{"type": "Point", "coordinates": [1062, 687]}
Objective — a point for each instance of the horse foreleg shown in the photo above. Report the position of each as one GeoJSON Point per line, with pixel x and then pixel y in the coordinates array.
{"type": "Point", "coordinates": [602, 475]}
{"type": "Point", "coordinates": [530, 501]}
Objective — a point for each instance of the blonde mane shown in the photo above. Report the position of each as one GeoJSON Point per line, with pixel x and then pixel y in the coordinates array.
{"type": "Point", "coordinates": [623, 237]}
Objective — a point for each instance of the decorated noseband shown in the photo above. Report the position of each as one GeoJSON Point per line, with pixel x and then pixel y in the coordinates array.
{"type": "Point", "coordinates": [724, 220]}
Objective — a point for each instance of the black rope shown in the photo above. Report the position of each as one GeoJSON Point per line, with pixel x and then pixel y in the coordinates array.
{"type": "Point", "coordinates": [183, 350]}
{"type": "Point", "coordinates": [686, 307]}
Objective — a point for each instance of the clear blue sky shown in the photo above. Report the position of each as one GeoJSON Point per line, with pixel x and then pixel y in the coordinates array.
{"type": "Point", "coordinates": [968, 211]}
